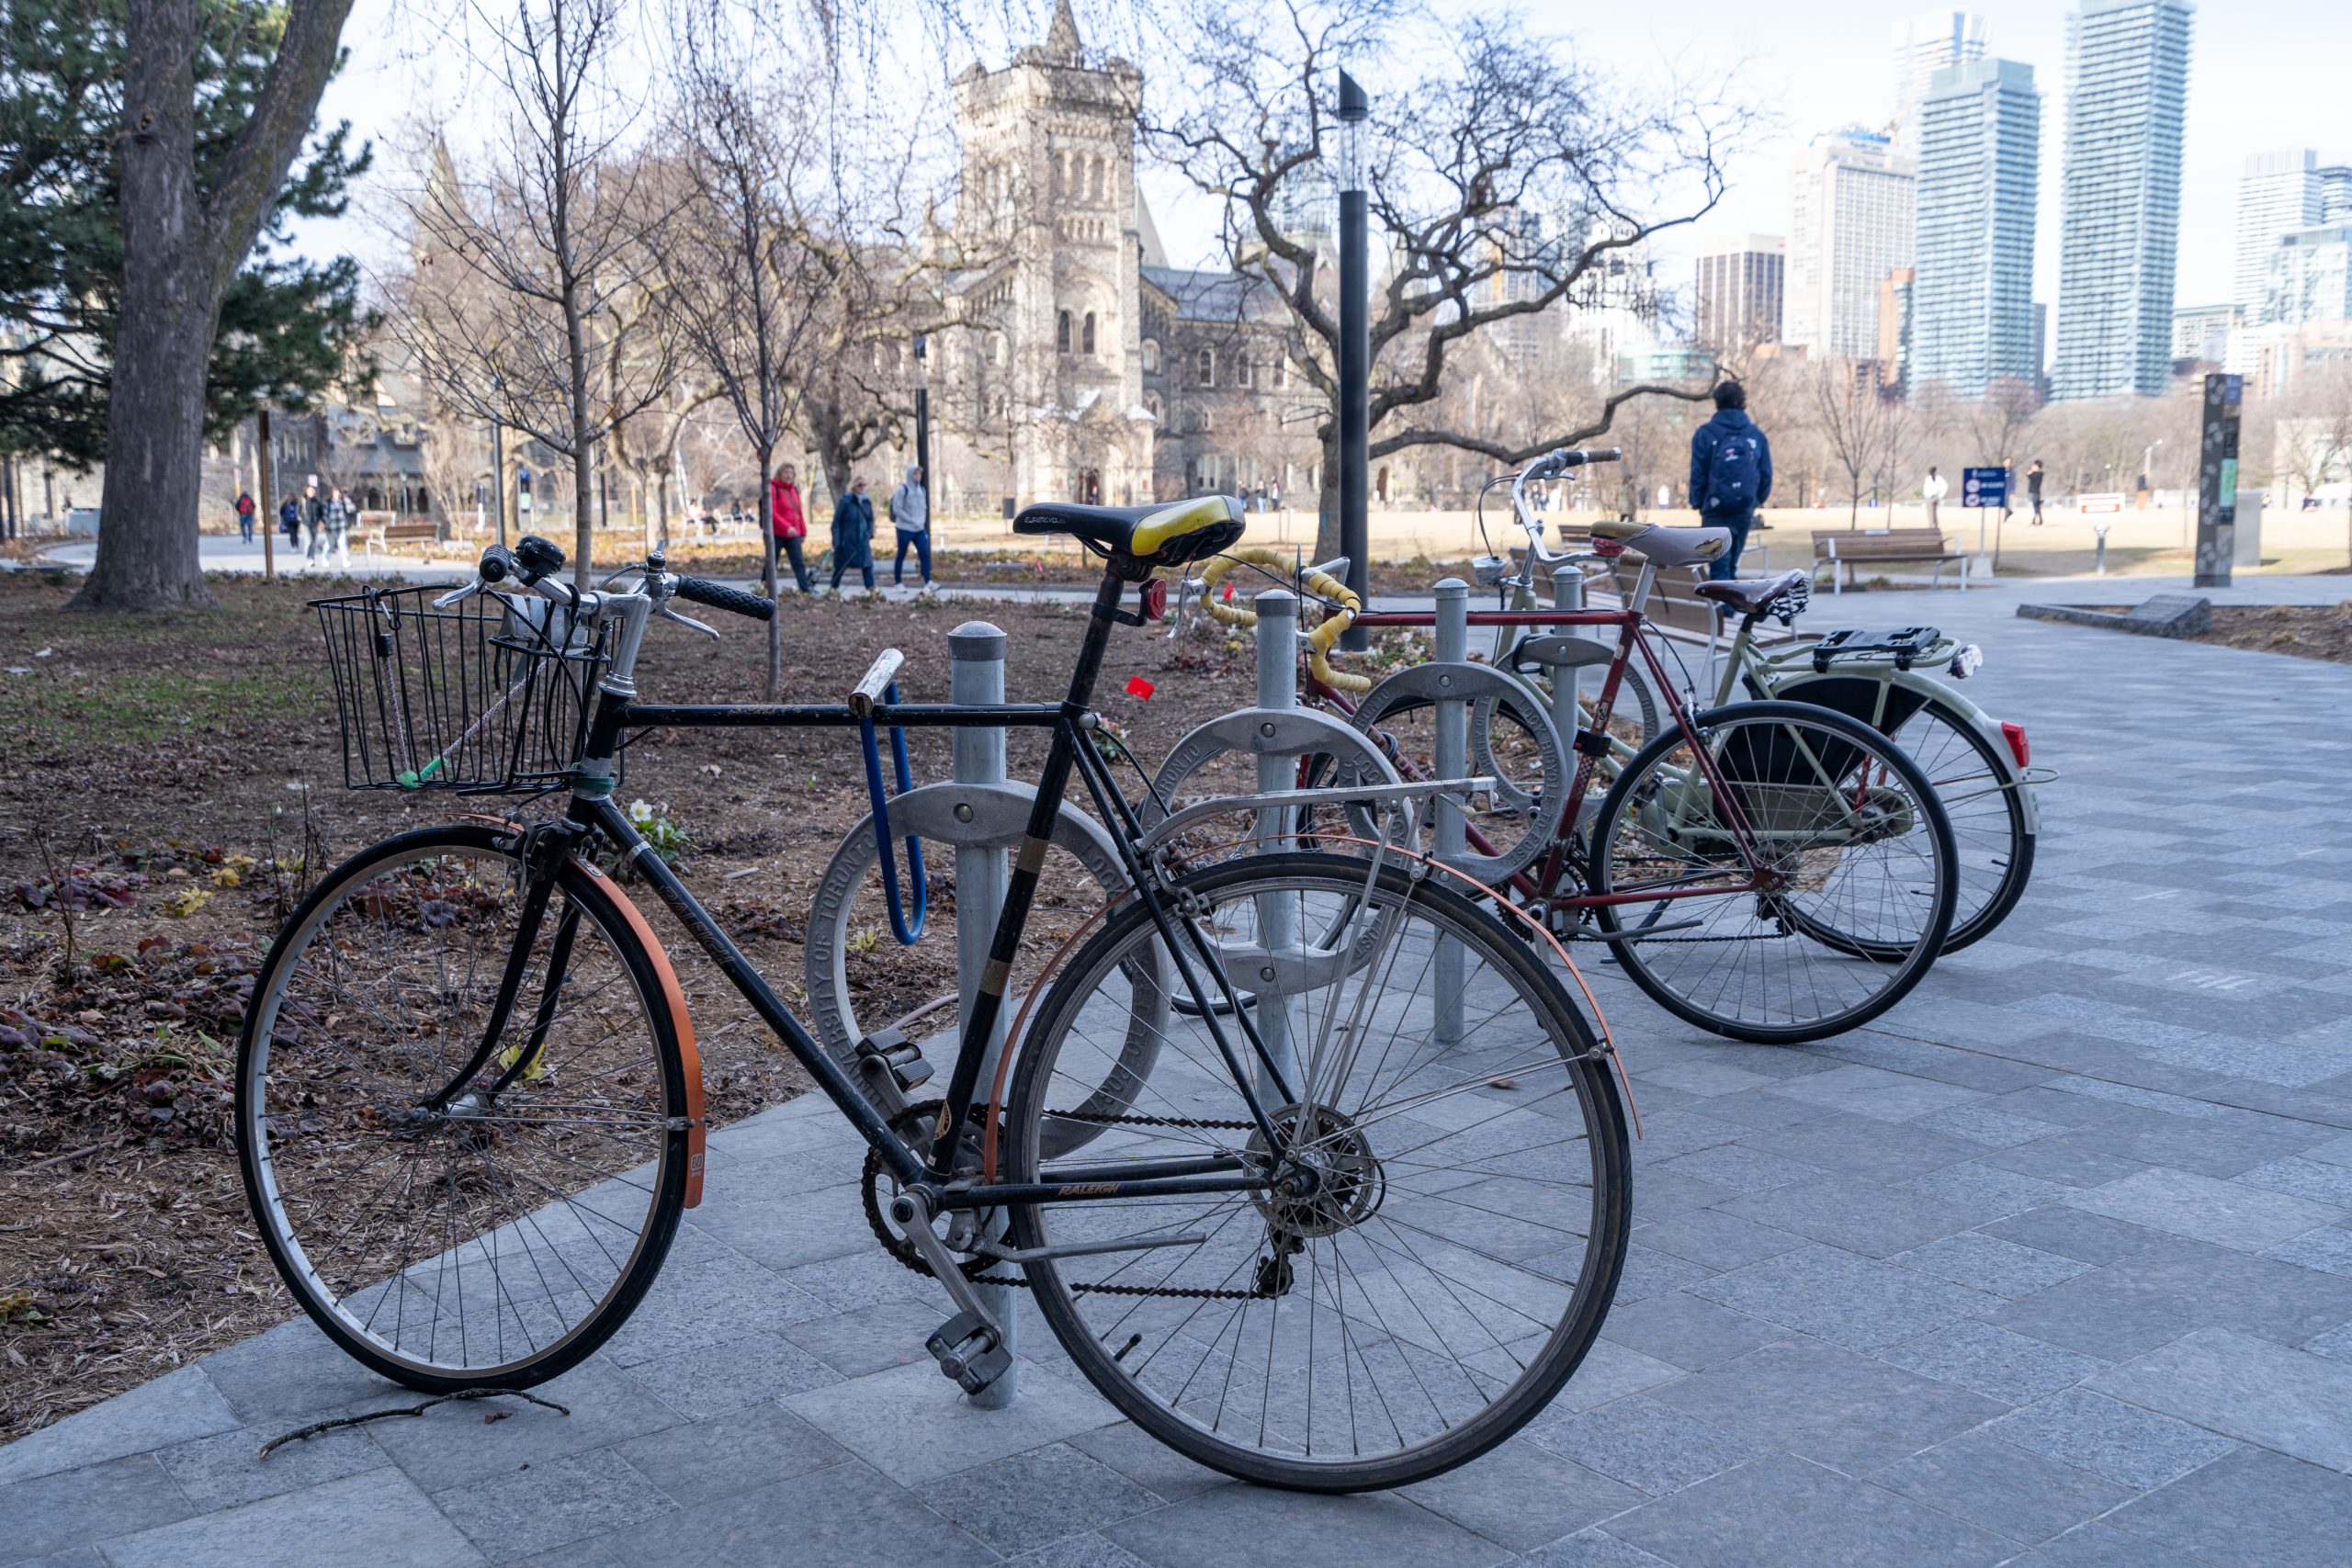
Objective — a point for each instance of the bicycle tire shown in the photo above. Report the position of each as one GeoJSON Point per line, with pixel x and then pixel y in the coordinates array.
{"type": "Point", "coordinates": [1985, 900]}
{"type": "Point", "coordinates": [267, 1045]}
{"type": "Point", "coordinates": [1895, 966]}
{"type": "Point", "coordinates": [1552, 1179]}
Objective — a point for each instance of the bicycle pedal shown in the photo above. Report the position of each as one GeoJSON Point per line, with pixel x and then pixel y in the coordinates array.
{"type": "Point", "coordinates": [968, 1350]}
{"type": "Point", "coordinates": [984, 1369]}
{"type": "Point", "coordinates": [891, 1065]}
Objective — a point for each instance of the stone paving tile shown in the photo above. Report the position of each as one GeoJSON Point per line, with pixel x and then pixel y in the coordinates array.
{"type": "Point", "coordinates": [1831, 1405]}
{"type": "Point", "coordinates": [54, 1511]}
{"type": "Point", "coordinates": [2098, 1546]}
{"type": "Point", "coordinates": [697, 1306]}
{"type": "Point", "coordinates": [912, 1424]}
{"type": "Point", "coordinates": [1864, 1146]}
{"type": "Point", "coordinates": [886, 1334]}
{"type": "Point", "coordinates": [1988, 1263]}
{"type": "Point", "coordinates": [451, 1444]}
{"type": "Point", "coordinates": [533, 1510]}
{"type": "Point", "coordinates": [1815, 1515]}
{"type": "Point", "coordinates": [2251, 1389]}
{"type": "Point", "coordinates": [2319, 1181]}
{"type": "Point", "coordinates": [2001, 1487]}
{"type": "Point", "coordinates": [1994, 1129]}
{"type": "Point", "coordinates": [224, 1470]}
{"type": "Point", "coordinates": [1716, 1240]}
{"type": "Point", "coordinates": [1685, 1331]}
{"type": "Point", "coordinates": [1877, 1093]}
{"type": "Point", "coordinates": [1593, 1549]}
{"type": "Point", "coordinates": [1088, 1550]}
{"type": "Point", "coordinates": [2128, 1446]}
{"type": "Point", "coordinates": [2226, 1214]}
{"type": "Point", "coordinates": [1992, 1191]}
{"type": "Point", "coordinates": [1648, 1274]}
{"type": "Point", "coordinates": [1148, 1462]}
{"type": "Point", "coordinates": [2055, 1160]}
{"type": "Point", "coordinates": [1739, 1169]}
{"type": "Point", "coordinates": [844, 1517]}
{"type": "Point", "coordinates": [1856, 1214]}
{"type": "Point", "coordinates": [1249, 1526]}
{"type": "Point", "coordinates": [578, 1555]}
{"type": "Point", "coordinates": [1993, 1362]}
{"type": "Point", "coordinates": [1028, 1499]}
{"type": "Point", "coordinates": [2328, 1250]}
{"type": "Point", "coordinates": [376, 1519]}
{"type": "Point", "coordinates": [2251, 1509]}
{"type": "Point", "coordinates": [734, 1453]}
{"type": "Point", "coordinates": [173, 1408]}
{"type": "Point", "coordinates": [2071, 1233]}
{"type": "Point", "coordinates": [2335, 1344]}
{"type": "Point", "coordinates": [1646, 1445]}
{"type": "Point", "coordinates": [294, 1374]}
{"type": "Point", "coordinates": [1859, 1302]}
{"type": "Point", "coordinates": [2174, 1140]}
{"type": "Point", "coordinates": [1523, 1495]}
{"type": "Point", "coordinates": [733, 1373]}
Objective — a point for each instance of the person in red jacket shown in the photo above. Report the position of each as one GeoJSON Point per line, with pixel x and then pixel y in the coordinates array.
{"type": "Point", "coordinates": [791, 524]}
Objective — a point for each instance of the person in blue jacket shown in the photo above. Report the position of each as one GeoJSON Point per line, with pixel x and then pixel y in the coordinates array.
{"type": "Point", "coordinates": [1731, 473]}
{"type": "Point", "coordinates": [854, 534]}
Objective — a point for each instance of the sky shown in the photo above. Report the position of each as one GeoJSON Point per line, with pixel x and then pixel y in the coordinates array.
{"type": "Point", "coordinates": [2263, 74]}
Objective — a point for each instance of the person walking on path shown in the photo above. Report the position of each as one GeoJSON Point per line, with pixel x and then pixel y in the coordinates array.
{"type": "Point", "coordinates": [2033, 491]}
{"type": "Point", "coordinates": [1629, 499]}
{"type": "Point", "coordinates": [789, 523]}
{"type": "Point", "coordinates": [314, 526]}
{"type": "Point", "coordinates": [339, 515]}
{"type": "Point", "coordinates": [910, 515]}
{"type": "Point", "coordinates": [853, 534]}
{"type": "Point", "coordinates": [289, 521]}
{"type": "Point", "coordinates": [245, 516]}
{"type": "Point", "coordinates": [1731, 473]}
{"type": "Point", "coordinates": [1934, 490]}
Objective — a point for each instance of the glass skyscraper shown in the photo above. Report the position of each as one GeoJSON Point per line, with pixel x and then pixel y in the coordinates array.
{"type": "Point", "coordinates": [1980, 148]}
{"type": "Point", "coordinates": [2119, 224]}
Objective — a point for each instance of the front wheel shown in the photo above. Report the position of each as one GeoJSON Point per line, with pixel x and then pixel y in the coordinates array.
{"type": "Point", "coordinates": [458, 1228]}
{"type": "Point", "coordinates": [1778, 873]}
{"type": "Point", "coordinates": [1442, 1210]}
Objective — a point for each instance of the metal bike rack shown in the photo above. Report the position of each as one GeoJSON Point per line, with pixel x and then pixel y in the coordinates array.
{"type": "Point", "coordinates": [1452, 737]}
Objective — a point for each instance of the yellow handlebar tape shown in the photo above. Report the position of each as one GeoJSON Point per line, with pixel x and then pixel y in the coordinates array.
{"type": "Point", "coordinates": [1323, 585]}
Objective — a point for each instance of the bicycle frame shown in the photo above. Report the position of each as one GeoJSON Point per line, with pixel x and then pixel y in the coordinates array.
{"type": "Point", "coordinates": [591, 811]}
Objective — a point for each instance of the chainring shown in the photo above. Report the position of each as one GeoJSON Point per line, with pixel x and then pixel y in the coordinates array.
{"type": "Point", "coordinates": [915, 1127]}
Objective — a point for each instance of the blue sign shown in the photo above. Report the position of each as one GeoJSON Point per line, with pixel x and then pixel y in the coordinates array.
{"type": "Point", "coordinates": [1984, 487]}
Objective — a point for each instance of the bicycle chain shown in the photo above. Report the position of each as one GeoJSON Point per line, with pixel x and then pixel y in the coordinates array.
{"type": "Point", "coordinates": [976, 1269]}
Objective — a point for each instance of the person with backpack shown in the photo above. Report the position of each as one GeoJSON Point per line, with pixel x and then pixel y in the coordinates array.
{"type": "Point", "coordinates": [2033, 491]}
{"type": "Point", "coordinates": [244, 517]}
{"type": "Point", "coordinates": [339, 514]}
{"type": "Point", "coordinates": [1731, 473]}
{"type": "Point", "coordinates": [854, 534]}
{"type": "Point", "coordinates": [289, 521]}
{"type": "Point", "coordinates": [910, 515]}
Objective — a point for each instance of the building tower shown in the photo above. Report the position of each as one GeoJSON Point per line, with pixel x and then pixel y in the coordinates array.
{"type": "Point", "coordinates": [1851, 197]}
{"type": "Point", "coordinates": [1740, 286]}
{"type": "Point", "coordinates": [1923, 45]}
{"type": "Point", "coordinates": [1049, 196]}
{"type": "Point", "coordinates": [2278, 193]}
{"type": "Point", "coordinates": [2336, 194]}
{"type": "Point", "coordinates": [2119, 225]}
{"type": "Point", "coordinates": [1980, 151]}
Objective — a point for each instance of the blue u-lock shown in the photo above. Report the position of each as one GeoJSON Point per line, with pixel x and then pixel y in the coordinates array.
{"type": "Point", "coordinates": [906, 926]}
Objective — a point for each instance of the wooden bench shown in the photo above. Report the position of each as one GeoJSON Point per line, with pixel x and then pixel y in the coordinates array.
{"type": "Point", "coordinates": [1676, 609]}
{"type": "Point", "coordinates": [1849, 547]}
{"type": "Point", "coordinates": [385, 529]}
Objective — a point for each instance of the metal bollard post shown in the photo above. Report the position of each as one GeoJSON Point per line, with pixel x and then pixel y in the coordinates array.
{"type": "Point", "coordinates": [2099, 568]}
{"type": "Point", "coordinates": [976, 676]}
{"type": "Point", "coordinates": [1567, 593]}
{"type": "Point", "coordinates": [1277, 688]}
{"type": "Point", "coordinates": [1453, 743]}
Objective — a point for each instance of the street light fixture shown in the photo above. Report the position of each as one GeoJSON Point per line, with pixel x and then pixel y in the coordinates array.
{"type": "Point", "coordinates": [1354, 350]}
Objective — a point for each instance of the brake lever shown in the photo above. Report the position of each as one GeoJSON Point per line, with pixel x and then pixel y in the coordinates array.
{"type": "Point", "coordinates": [667, 614]}
{"type": "Point", "coordinates": [451, 600]}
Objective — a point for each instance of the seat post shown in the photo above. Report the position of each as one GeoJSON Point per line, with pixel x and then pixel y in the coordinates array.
{"type": "Point", "coordinates": [1116, 577]}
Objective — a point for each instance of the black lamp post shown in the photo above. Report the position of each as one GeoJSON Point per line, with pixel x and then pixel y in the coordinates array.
{"type": "Point", "coordinates": [1355, 351]}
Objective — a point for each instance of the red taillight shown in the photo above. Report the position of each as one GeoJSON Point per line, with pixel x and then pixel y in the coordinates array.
{"type": "Point", "coordinates": [1155, 599]}
{"type": "Point", "coordinates": [1608, 548]}
{"type": "Point", "coordinates": [2019, 748]}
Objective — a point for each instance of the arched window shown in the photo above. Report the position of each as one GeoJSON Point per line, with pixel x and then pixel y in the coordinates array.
{"type": "Point", "coordinates": [1151, 407]}
{"type": "Point", "coordinates": [1058, 174]}
{"type": "Point", "coordinates": [1204, 368]}
{"type": "Point", "coordinates": [1203, 420]}
{"type": "Point", "coordinates": [1151, 356]}
{"type": "Point", "coordinates": [1282, 372]}
{"type": "Point", "coordinates": [1086, 344]}
{"type": "Point", "coordinates": [1061, 332]}
{"type": "Point", "coordinates": [996, 348]}
{"type": "Point", "coordinates": [1098, 179]}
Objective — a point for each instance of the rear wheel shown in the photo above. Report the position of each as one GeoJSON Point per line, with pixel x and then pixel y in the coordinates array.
{"type": "Point", "coordinates": [1821, 914]}
{"type": "Point", "coordinates": [493, 1239]}
{"type": "Point", "coordinates": [1452, 1200]}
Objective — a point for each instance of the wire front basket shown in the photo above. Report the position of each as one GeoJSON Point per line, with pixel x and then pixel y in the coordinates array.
{"type": "Point", "coordinates": [486, 697]}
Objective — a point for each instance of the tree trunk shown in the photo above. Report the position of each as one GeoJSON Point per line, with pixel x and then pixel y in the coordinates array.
{"type": "Point", "coordinates": [775, 576]}
{"type": "Point", "coordinates": [147, 539]}
{"type": "Point", "coordinates": [1327, 503]}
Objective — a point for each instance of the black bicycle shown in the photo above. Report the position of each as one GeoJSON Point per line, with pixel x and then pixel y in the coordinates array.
{"type": "Point", "coordinates": [1331, 1211]}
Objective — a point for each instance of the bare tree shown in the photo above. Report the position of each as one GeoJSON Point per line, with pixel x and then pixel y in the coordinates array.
{"type": "Point", "coordinates": [744, 275]}
{"type": "Point", "coordinates": [532, 272]}
{"type": "Point", "coordinates": [1853, 422]}
{"type": "Point", "coordinates": [1501, 175]}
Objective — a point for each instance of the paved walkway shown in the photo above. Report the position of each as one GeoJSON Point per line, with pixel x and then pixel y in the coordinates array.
{"type": "Point", "coordinates": [2053, 1266]}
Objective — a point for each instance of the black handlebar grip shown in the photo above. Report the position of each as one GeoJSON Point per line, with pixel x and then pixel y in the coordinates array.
{"type": "Point", "coordinates": [718, 596]}
{"type": "Point", "coordinates": [498, 564]}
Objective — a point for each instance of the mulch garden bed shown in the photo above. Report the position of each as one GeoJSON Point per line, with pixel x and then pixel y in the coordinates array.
{"type": "Point", "coordinates": [2307, 631]}
{"type": "Point", "coordinates": [169, 787]}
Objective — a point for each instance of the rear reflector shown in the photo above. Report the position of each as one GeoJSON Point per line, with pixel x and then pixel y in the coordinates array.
{"type": "Point", "coordinates": [2019, 747]}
